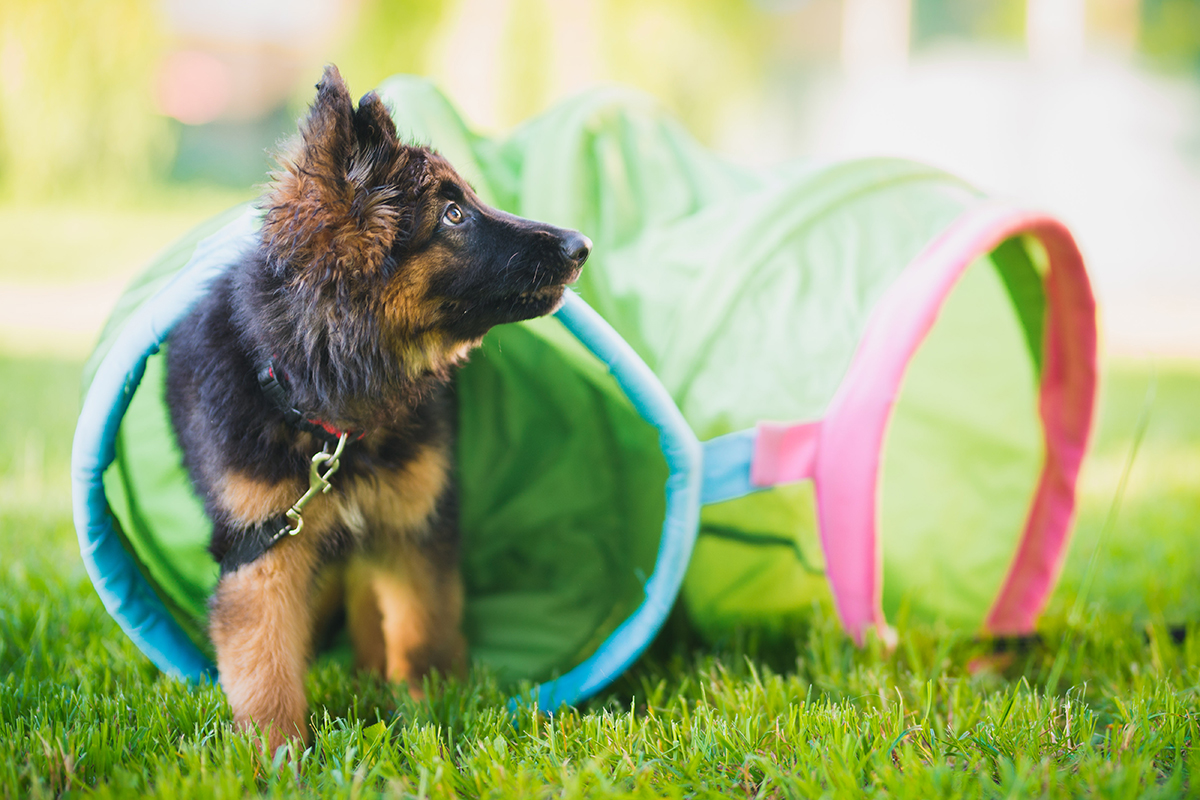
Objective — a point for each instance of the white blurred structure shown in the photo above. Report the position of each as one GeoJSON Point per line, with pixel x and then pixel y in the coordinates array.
{"type": "Point", "coordinates": [1099, 145]}
{"type": "Point", "coordinates": [1087, 135]}
{"type": "Point", "coordinates": [875, 35]}
{"type": "Point", "coordinates": [1055, 30]}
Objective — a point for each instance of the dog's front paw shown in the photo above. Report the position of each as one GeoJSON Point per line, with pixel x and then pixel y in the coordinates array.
{"type": "Point", "coordinates": [446, 653]}
{"type": "Point", "coordinates": [260, 624]}
{"type": "Point", "coordinates": [279, 711]}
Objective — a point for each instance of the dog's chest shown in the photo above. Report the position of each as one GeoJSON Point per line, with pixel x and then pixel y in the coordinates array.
{"type": "Point", "coordinates": [394, 502]}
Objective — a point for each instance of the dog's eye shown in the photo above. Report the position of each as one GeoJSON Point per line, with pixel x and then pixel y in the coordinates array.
{"type": "Point", "coordinates": [453, 215]}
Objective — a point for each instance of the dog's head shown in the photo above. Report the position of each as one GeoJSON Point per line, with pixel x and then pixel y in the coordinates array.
{"type": "Point", "coordinates": [368, 225]}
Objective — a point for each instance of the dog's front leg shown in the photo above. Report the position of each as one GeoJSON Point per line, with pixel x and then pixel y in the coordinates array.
{"type": "Point", "coordinates": [261, 625]}
{"type": "Point", "coordinates": [413, 597]}
{"type": "Point", "coordinates": [421, 602]}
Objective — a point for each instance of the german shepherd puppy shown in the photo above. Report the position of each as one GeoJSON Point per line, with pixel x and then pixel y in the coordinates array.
{"type": "Point", "coordinates": [377, 270]}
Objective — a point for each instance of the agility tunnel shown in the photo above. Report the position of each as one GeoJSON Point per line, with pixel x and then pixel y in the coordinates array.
{"type": "Point", "coordinates": [860, 383]}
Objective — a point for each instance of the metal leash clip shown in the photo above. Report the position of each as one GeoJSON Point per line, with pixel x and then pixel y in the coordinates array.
{"type": "Point", "coordinates": [317, 484]}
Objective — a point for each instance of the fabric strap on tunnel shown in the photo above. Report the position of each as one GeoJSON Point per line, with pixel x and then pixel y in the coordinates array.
{"type": "Point", "coordinates": [769, 454]}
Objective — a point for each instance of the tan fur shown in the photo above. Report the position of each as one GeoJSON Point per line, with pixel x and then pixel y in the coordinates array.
{"type": "Point", "coordinates": [261, 624]}
{"type": "Point", "coordinates": [412, 318]}
{"type": "Point", "coordinates": [432, 352]}
{"type": "Point", "coordinates": [416, 603]}
{"type": "Point", "coordinates": [364, 621]}
{"type": "Point", "coordinates": [249, 501]}
{"type": "Point", "coordinates": [405, 302]}
{"type": "Point", "coordinates": [398, 501]}
{"type": "Point", "coordinates": [319, 217]}
{"type": "Point", "coordinates": [403, 604]}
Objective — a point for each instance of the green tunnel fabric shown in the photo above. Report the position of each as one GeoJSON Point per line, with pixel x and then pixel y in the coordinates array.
{"type": "Point", "coordinates": [746, 293]}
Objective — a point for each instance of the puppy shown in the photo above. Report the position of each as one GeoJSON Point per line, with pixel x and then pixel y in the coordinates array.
{"type": "Point", "coordinates": [320, 366]}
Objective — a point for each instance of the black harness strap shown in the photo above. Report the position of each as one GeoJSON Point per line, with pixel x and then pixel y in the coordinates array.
{"type": "Point", "coordinates": [252, 544]}
{"type": "Point", "coordinates": [258, 539]}
{"type": "Point", "coordinates": [271, 385]}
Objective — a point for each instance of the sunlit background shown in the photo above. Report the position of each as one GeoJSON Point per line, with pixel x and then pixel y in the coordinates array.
{"type": "Point", "coordinates": [125, 122]}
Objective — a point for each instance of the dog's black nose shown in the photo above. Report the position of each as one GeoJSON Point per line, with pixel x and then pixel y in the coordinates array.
{"type": "Point", "coordinates": [576, 247]}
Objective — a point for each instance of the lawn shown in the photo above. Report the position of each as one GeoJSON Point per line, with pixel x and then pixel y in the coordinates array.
{"type": "Point", "coordinates": [1102, 702]}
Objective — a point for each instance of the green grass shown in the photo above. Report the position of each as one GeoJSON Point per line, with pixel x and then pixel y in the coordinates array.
{"type": "Point", "coordinates": [943, 715]}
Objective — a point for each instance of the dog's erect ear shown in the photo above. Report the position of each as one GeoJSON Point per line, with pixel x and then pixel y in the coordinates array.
{"type": "Point", "coordinates": [379, 157]}
{"type": "Point", "coordinates": [345, 191]}
{"type": "Point", "coordinates": [327, 132]}
{"type": "Point", "coordinates": [373, 124]}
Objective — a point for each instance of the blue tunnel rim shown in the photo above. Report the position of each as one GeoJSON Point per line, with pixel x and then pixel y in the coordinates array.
{"type": "Point", "coordinates": [130, 599]}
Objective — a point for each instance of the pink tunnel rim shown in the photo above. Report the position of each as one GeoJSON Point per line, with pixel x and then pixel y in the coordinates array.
{"type": "Point", "coordinates": [1067, 404]}
{"type": "Point", "coordinates": [846, 471]}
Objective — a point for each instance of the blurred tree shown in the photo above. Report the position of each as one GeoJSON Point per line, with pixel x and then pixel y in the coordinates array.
{"type": "Point", "coordinates": [1170, 31]}
{"type": "Point", "coordinates": [76, 98]}
{"type": "Point", "coordinates": [527, 63]}
{"type": "Point", "coordinates": [697, 56]}
{"type": "Point", "coordinates": [996, 20]}
{"type": "Point", "coordinates": [387, 37]}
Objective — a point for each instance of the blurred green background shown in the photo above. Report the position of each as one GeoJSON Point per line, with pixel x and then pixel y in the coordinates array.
{"type": "Point", "coordinates": [122, 123]}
